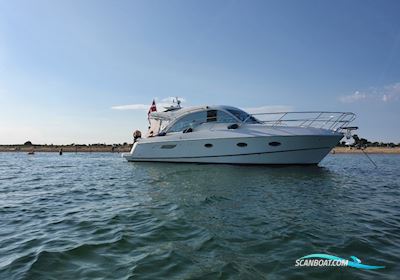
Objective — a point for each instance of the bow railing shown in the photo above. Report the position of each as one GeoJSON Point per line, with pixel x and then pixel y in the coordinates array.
{"type": "Point", "coordinates": [319, 119]}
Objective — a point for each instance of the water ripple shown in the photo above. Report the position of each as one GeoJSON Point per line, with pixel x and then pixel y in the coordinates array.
{"type": "Point", "coordinates": [85, 216]}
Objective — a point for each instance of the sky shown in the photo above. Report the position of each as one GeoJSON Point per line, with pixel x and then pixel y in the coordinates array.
{"type": "Point", "coordinates": [86, 71]}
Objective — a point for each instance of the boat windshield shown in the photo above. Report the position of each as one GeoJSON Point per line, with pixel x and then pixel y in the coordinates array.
{"type": "Point", "coordinates": [243, 116]}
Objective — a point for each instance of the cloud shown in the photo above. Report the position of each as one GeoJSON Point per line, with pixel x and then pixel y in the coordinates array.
{"type": "Point", "coordinates": [165, 102]}
{"type": "Point", "coordinates": [391, 93]}
{"type": "Point", "coordinates": [356, 96]}
{"type": "Point", "coordinates": [144, 107]}
{"type": "Point", "coordinates": [131, 107]}
{"type": "Point", "coordinates": [388, 93]}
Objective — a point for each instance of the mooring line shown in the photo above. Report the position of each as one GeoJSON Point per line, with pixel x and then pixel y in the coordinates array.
{"type": "Point", "coordinates": [376, 166]}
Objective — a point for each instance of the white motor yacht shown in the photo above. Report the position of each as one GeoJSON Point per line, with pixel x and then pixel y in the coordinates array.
{"type": "Point", "coordinates": [225, 134]}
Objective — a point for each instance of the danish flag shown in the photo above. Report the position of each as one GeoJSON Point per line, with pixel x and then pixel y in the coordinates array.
{"type": "Point", "coordinates": [153, 108]}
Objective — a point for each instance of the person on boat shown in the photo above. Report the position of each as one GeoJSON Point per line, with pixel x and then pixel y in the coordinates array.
{"type": "Point", "coordinates": [136, 135]}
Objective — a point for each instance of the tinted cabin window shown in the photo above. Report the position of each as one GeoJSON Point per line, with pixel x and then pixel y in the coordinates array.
{"type": "Point", "coordinates": [219, 116]}
{"type": "Point", "coordinates": [243, 116]}
{"type": "Point", "coordinates": [223, 117]}
{"type": "Point", "coordinates": [211, 115]}
{"type": "Point", "coordinates": [190, 120]}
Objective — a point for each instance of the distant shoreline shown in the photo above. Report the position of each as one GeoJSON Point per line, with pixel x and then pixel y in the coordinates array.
{"type": "Point", "coordinates": [368, 150]}
{"type": "Point", "coordinates": [99, 148]}
{"type": "Point", "coordinates": [96, 148]}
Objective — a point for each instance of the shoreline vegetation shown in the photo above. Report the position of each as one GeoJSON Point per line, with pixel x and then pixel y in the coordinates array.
{"type": "Point", "coordinates": [125, 148]}
{"type": "Point", "coordinates": [71, 148]}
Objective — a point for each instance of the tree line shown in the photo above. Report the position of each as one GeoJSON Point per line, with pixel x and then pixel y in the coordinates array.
{"type": "Point", "coordinates": [363, 143]}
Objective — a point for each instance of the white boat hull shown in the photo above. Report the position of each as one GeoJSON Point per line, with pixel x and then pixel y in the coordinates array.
{"type": "Point", "coordinates": [296, 149]}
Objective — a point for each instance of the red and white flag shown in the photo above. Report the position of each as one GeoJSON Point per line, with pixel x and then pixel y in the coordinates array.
{"type": "Point", "coordinates": [153, 108]}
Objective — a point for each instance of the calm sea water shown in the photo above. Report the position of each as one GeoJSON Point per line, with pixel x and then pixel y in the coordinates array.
{"type": "Point", "coordinates": [85, 216]}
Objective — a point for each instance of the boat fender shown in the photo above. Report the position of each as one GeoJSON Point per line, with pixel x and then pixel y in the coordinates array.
{"type": "Point", "coordinates": [233, 126]}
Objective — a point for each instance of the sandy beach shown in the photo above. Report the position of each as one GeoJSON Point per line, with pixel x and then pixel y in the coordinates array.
{"type": "Point", "coordinates": [369, 150]}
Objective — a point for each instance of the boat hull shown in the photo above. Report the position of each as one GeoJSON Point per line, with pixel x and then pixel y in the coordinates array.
{"type": "Point", "coordinates": [274, 150]}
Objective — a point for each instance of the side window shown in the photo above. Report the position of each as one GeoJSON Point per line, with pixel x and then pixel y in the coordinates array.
{"type": "Point", "coordinates": [211, 115]}
{"type": "Point", "coordinates": [243, 116]}
{"type": "Point", "coordinates": [189, 121]}
{"type": "Point", "coordinates": [223, 117]}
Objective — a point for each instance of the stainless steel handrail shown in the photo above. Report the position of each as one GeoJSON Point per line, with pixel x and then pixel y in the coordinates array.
{"type": "Point", "coordinates": [319, 119]}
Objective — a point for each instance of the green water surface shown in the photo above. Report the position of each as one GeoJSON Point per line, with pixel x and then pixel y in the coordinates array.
{"type": "Point", "coordinates": [96, 216]}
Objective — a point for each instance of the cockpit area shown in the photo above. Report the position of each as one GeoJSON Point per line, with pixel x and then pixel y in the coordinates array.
{"type": "Point", "coordinates": [181, 120]}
